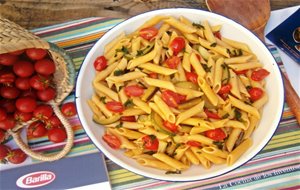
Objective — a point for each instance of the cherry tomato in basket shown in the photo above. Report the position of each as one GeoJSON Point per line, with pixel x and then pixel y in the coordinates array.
{"type": "Point", "coordinates": [22, 116]}
{"type": "Point", "coordinates": [173, 62]}
{"type": "Point", "coordinates": [39, 82]}
{"type": "Point", "coordinates": [43, 112]}
{"type": "Point", "coordinates": [8, 105]}
{"type": "Point", "coordinates": [259, 74]}
{"type": "Point", "coordinates": [225, 89]}
{"type": "Point", "coordinates": [7, 59]}
{"type": "Point", "coordinates": [150, 142]}
{"type": "Point", "coordinates": [16, 156]}
{"type": "Point", "coordinates": [192, 77]}
{"type": "Point", "coordinates": [193, 143]}
{"type": "Point", "coordinates": [18, 52]}
{"type": "Point", "coordinates": [112, 141]}
{"type": "Point", "coordinates": [69, 109]}
{"type": "Point", "coordinates": [28, 93]}
{"type": "Point", "coordinates": [36, 129]}
{"type": "Point", "coordinates": [53, 122]}
{"type": "Point", "coordinates": [212, 115]}
{"type": "Point", "coordinates": [3, 114]}
{"type": "Point", "coordinates": [26, 104]}
{"type": "Point", "coordinates": [215, 134]}
{"type": "Point", "coordinates": [7, 77]}
{"type": "Point", "coordinates": [148, 33]}
{"type": "Point", "coordinates": [23, 68]}
{"type": "Point", "coordinates": [4, 150]}
{"type": "Point", "coordinates": [36, 53]}
{"type": "Point", "coordinates": [171, 126]}
{"type": "Point", "coordinates": [100, 63]}
{"type": "Point", "coordinates": [2, 137]}
{"type": "Point", "coordinates": [47, 94]}
{"type": "Point", "coordinates": [57, 135]}
{"type": "Point", "coordinates": [255, 93]}
{"type": "Point", "coordinates": [134, 90]}
{"type": "Point", "coordinates": [242, 72]}
{"type": "Point", "coordinates": [177, 44]}
{"type": "Point", "coordinates": [8, 123]}
{"type": "Point", "coordinates": [44, 66]}
{"type": "Point", "coordinates": [114, 106]}
{"type": "Point", "coordinates": [9, 92]}
{"type": "Point", "coordinates": [22, 83]}
{"type": "Point", "coordinates": [128, 118]}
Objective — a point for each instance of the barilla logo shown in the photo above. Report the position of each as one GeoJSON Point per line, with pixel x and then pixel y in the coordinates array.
{"type": "Point", "coordinates": [35, 179]}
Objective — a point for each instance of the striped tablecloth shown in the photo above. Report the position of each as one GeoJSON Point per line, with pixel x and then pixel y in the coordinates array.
{"type": "Point", "coordinates": [277, 166]}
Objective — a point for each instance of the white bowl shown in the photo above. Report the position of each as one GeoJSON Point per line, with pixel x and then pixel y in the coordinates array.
{"type": "Point", "coordinates": [271, 112]}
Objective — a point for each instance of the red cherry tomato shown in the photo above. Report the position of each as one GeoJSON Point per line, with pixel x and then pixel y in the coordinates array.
{"type": "Point", "coordinates": [225, 89]}
{"type": "Point", "coordinates": [23, 68]}
{"type": "Point", "coordinates": [8, 123]}
{"type": "Point", "coordinates": [16, 156]}
{"type": "Point", "coordinates": [22, 116]}
{"type": "Point", "coordinates": [134, 90]}
{"type": "Point", "coordinates": [7, 59]}
{"type": "Point", "coordinates": [128, 118]}
{"type": "Point", "coordinates": [100, 63]}
{"type": "Point", "coordinates": [112, 141]}
{"type": "Point", "coordinates": [193, 143]}
{"type": "Point", "coordinates": [153, 75]}
{"type": "Point", "coordinates": [177, 44]}
{"type": "Point", "coordinates": [9, 92]}
{"type": "Point", "coordinates": [44, 67]}
{"type": "Point", "coordinates": [69, 109]}
{"type": "Point", "coordinates": [43, 112]}
{"type": "Point", "coordinates": [22, 83]}
{"type": "Point", "coordinates": [242, 72]}
{"type": "Point", "coordinates": [18, 52]}
{"type": "Point", "coordinates": [218, 35]}
{"type": "Point", "coordinates": [215, 134]}
{"type": "Point", "coordinates": [57, 135]}
{"type": "Point", "coordinates": [4, 150]}
{"type": "Point", "coordinates": [192, 77]}
{"type": "Point", "coordinates": [3, 114]}
{"type": "Point", "coordinates": [150, 142]}
{"type": "Point", "coordinates": [26, 104]}
{"type": "Point", "coordinates": [36, 53]}
{"type": "Point", "coordinates": [8, 105]}
{"type": "Point", "coordinates": [169, 99]}
{"type": "Point", "coordinates": [171, 126]}
{"type": "Point", "coordinates": [7, 77]}
{"type": "Point", "coordinates": [114, 106]}
{"type": "Point", "coordinates": [53, 122]}
{"type": "Point", "coordinates": [28, 93]}
{"type": "Point", "coordinates": [2, 139]}
{"type": "Point", "coordinates": [39, 82]}
{"type": "Point", "coordinates": [47, 94]}
{"type": "Point", "coordinates": [259, 74]}
{"type": "Point", "coordinates": [36, 129]}
{"type": "Point", "coordinates": [148, 33]}
{"type": "Point", "coordinates": [212, 115]}
{"type": "Point", "coordinates": [255, 93]}
{"type": "Point", "coordinates": [173, 62]}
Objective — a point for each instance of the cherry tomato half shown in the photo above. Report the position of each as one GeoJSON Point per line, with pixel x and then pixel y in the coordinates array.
{"type": "Point", "coordinates": [69, 109]}
{"type": "Point", "coordinates": [192, 77]}
{"type": "Point", "coordinates": [100, 63]}
{"type": "Point", "coordinates": [134, 90]}
{"type": "Point", "coordinates": [215, 134]}
{"type": "Point", "coordinates": [212, 115]}
{"type": "Point", "coordinates": [193, 143]}
{"type": "Point", "coordinates": [16, 156]}
{"type": "Point", "coordinates": [150, 142]}
{"type": "Point", "coordinates": [242, 72]}
{"type": "Point", "coordinates": [57, 135]}
{"type": "Point", "coordinates": [177, 44]}
{"type": "Point", "coordinates": [112, 141]}
{"type": "Point", "coordinates": [23, 68]}
{"type": "Point", "coordinates": [44, 66]}
{"type": "Point", "coordinates": [153, 75]}
{"type": "Point", "coordinates": [128, 118]}
{"type": "Point", "coordinates": [172, 99]}
{"type": "Point", "coordinates": [36, 53]}
{"type": "Point", "coordinates": [36, 129]}
{"type": "Point", "coordinates": [255, 93]}
{"type": "Point", "coordinates": [148, 33]}
{"type": "Point", "coordinates": [225, 89]}
{"type": "Point", "coordinates": [26, 104]}
{"type": "Point", "coordinates": [114, 106]}
{"type": "Point", "coordinates": [173, 62]}
{"type": "Point", "coordinates": [171, 126]}
{"type": "Point", "coordinates": [259, 74]}
{"type": "Point", "coordinates": [8, 59]}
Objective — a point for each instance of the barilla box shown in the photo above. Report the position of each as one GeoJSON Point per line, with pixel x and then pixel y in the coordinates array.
{"type": "Point", "coordinates": [80, 172]}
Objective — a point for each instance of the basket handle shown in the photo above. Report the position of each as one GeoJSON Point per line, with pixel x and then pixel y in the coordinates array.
{"type": "Point", "coordinates": [70, 139]}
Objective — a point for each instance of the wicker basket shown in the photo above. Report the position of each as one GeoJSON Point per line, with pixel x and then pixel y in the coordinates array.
{"type": "Point", "coordinates": [12, 38]}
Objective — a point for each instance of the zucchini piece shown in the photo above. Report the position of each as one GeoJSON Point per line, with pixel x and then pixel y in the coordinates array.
{"type": "Point", "coordinates": [187, 84]}
{"type": "Point", "coordinates": [106, 121]}
{"type": "Point", "coordinates": [157, 123]}
{"type": "Point", "coordinates": [149, 93]}
{"type": "Point", "coordinates": [190, 103]}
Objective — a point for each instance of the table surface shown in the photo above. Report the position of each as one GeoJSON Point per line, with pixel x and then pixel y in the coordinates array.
{"type": "Point", "coordinates": [33, 13]}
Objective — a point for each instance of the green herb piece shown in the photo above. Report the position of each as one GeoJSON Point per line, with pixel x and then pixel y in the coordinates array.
{"type": "Point", "coordinates": [213, 44]}
{"type": "Point", "coordinates": [248, 87]}
{"type": "Point", "coordinates": [206, 67]}
{"type": "Point", "coordinates": [139, 53]}
{"type": "Point", "coordinates": [166, 48]}
{"type": "Point", "coordinates": [128, 103]}
{"type": "Point", "coordinates": [119, 125]}
{"type": "Point", "coordinates": [152, 137]}
{"type": "Point", "coordinates": [225, 116]}
{"type": "Point", "coordinates": [118, 72]}
{"type": "Point", "coordinates": [102, 99]}
{"type": "Point", "coordinates": [219, 144]}
{"type": "Point", "coordinates": [199, 26]}
{"type": "Point", "coordinates": [123, 49]}
{"type": "Point", "coordinates": [238, 115]}
{"type": "Point", "coordinates": [173, 172]}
